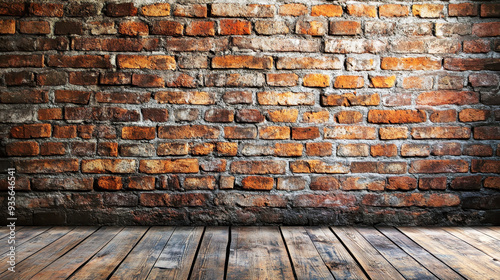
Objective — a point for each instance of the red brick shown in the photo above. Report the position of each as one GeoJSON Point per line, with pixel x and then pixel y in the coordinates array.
{"type": "Point", "coordinates": [83, 149]}
{"type": "Point", "coordinates": [155, 114]}
{"type": "Point", "coordinates": [410, 63]}
{"type": "Point", "coordinates": [115, 78]}
{"type": "Point", "coordinates": [47, 166]}
{"type": "Point", "coordinates": [28, 148]}
{"type": "Point", "coordinates": [227, 149]}
{"type": "Point", "coordinates": [258, 167]}
{"type": "Point", "coordinates": [72, 96]}
{"type": "Point", "coordinates": [490, 10]}
{"type": "Point", "coordinates": [396, 116]}
{"type": "Point", "coordinates": [147, 80]}
{"type": "Point", "coordinates": [478, 150]}
{"type": "Point", "coordinates": [120, 9]}
{"type": "Point", "coordinates": [46, 9]}
{"type": "Point", "coordinates": [486, 29]}
{"type": "Point", "coordinates": [439, 166]}
{"type": "Point", "coordinates": [101, 114]}
{"type": "Point", "coordinates": [50, 114]}
{"type": "Point", "coordinates": [473, 115]}
{"type": "Point", "coordinates": [133, 28]}
{"type": "Point", "coordinates": [52, 148]}
{"type": "Point", "coordinates": [282, 79]}
{"type": "Point", "coordinates": [350, 132]}
{"type": "Point", "coordinates": [311, 27]}
{"type": "Point", "coordinates": [64, 131]}
{"type": "Point", "coordinates": [219, 115]}
{"type": "Point", "coordinates": [462, 10]}
{"type": "Point", "coordinates": [483, 80]}
{"type": "Point", "coordinates": [110, 183]}
{"type": "Point", "coordinates": [284, 115]}
{"type": "Point", "coordinates": [451, 29]}
{"type": "Point", "coordinates": [324, 183]}
{"type": "Point", "coordinates": [199, 183]}
{"type": "Point", "coordinates": [42, 130]}
{"type": "Point", "coordinates": [293, 9]}
{"type": "Point", "coordinates": [7, 26]}
{"type": "Point", "coordinates": [305, 133]}
{"type": "Point", "coordinates": [318, 166]}
{"type": "Point", "coordinates": [24, 97]}
{"type": "Point", "coordinates": [492, 182]}
{"type": "Point", "coordinates": [235, 132]}
{"type": "Point", "coordinates": [487, 132]}
{"type": "Point", "coordinates": [52, 78]}
{"type": "Point", "coordinates": [257, 183]}
{"type": "Point", "coordinates": [448, 97]}
{"type": "Point", "coordinates": [401, 183]}
{"type": "Point", "coordinates": [319, 149]}
{"type": "Point", "coordinates": [485, 166]}
{"type": "Point", "coordinates": [156, 62]}
{"type": "Point", "coordinates": [242, 61]}
{"type": "Point", "coordinates": [109, 149]}
{"type": "Point", "coordinates": [274, 132]}
{"type": "Point", "coordinates": [384, 150]}
{"type": "Point", "coordinates": [234, 27]}
{"type": "Point", "coordinates": [83, 78]}
{"type": "Point", "coordinates": [361, 10]}
{"type": "Point", "coordinates": [188, 132]}
{"type": "Point", "coordinates": [174, 199]}
{"type": "Point", "coordinates": [393, 10]}
{"type": "Point", "coordinates": [143, 183]}
{"type": "Point", "coordinates": [193, 10]}
{"type": "Point", "coordinates": [316, 117]}
{"type": "Point", "coordinates": [350, 99]}
{"type": "Point", "coordinates": [79, 61]}
{"type": "Point", "coordinates": [446, 148]}
{"type": "Point", "coordinates": [138, 133]}
{"type": "Point", "coordinates": [9, 61]}
{"type": "Point", "coordinates": [249, 116]}
{"type": "Point", "coordinates": [166, 27]}
{"type": "Point", "coordinates": [326, 10]}
{"type": "Point", "coordinates": [444, 132]}
{"type": "Point", "coordinates": [156, 10]}
{"type": "Point", "coordinates": [466, 183]}
{"type": "Point", "coordinates": [477, 46]}
{"type": "Point", "coordinates": [12, 9]}
{"type": "Point", "coordinates": [432, 183]}
{"type": "Point", "coordinates": [200, 28]}
{"type": "Point", "coordinates": [172, 149]}
{"type": "Point", "coordinates": [462, 64]}
{"type": "Point", "coordinates": [68, 28]}
{"type": "Point", "coordinates": [34, 27]}
{"type": "Point", "coordinates": [443, 116]}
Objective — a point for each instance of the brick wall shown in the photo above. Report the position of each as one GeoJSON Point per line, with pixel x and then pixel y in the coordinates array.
{"type": "Point", "coordinates": [305, 112]}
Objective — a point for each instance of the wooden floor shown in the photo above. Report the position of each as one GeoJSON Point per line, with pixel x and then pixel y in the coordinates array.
{"type": "Point", "coordinates": [253, 253]}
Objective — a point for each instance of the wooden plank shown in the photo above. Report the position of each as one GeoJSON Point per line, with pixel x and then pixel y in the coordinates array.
{"type": "Point", "coordinates": [483, 242]}
{"type": "Point", "coordinates": [404, 263]}
{"type": "Point", "coordinates": [23, 236]}
{"type": "Point", "coordinates": [375, 265]}
{"type": "Point", "coordinates": [211, 259]}
{"type": "Point", "coordinates": [140, 261]}
{"type": "Point", "coordinates": [110, 256]}
{"type": "Point", "coordinates": [177, 257]}
{"type": "Point", "coordinates": [434, 265]}
{"type": "Point", "coordinates": [5, 231]}
{"type": "Point", "coordinates": [334, 254]}
{"type": "Point", "coordinates": [25, 269]}
{"type": "Point", "coordinates": [33, 245]}
{"type": "Point", "coordinates": [489, 231]}
{"type": "Point", "coordinates": [462, 257]}
{"type": "Point", "coordinates": [63, 267]}
{"type": "Point", "coordinates": [306, 260]}
{"type": "Point", "coordinates": [258, 253]}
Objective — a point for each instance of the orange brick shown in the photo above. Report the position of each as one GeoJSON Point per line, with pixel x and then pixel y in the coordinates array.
{"type": "Point", "coordinates": [159, 166]}
{"type": "Point", "coordinates": [316, 117]}
{"type": "Point", "coordinates": [316, 80]}
{"type": "Point", "coordinates": [389, 133]}
{"type": "Point", "coordinates": [156, 10]}
{"type": "Point", "coordinates": [349, 117]}
{"type": "Point", "coordinates": [349, 82]}
{"type": "Point", "coordinates": [304, 133]}
{"type": "Point", "coordinates": [443, 116]}
{"type": "Point", "coordinates": [227, 148]}
{"type": "Point", "coordinates": [293, 9]}
{"type": "Point", "coordinates": [34, 27]}
{"type": "Point", "coordinates": [326, 10]}
{"type": "Point", "coordinates": [138, 133]}
{"type": "Point", "coordinates": [200, 28]}
{"type": "Point", "coordinates": [473, 115]}
{"type": "Point", "coordinates": [345, 28]}
{"type": "Point", "coordinates": [393, 10]}
{"type": "Point", "coordinates": [288, 149]}
{"type": "Point", "coordinates": [384, 150]}
{"type": "Point", "coordinates": [235, 27]}
{"type": "Point", "coordinates": [110, 183]}
{"type": "Point", "coordinates": [284, 115]}
{"type": "Point", "coordinates": [410, 63]}
{"type": "Point", "coordinates": [382, 81]}
{"type": "Point", "coordinates": [50, 114]}
{"type": "Point", "coordinates": [7, 26]}
{"type": "Point", "coordinates": [257, 183]}
{"type": "Point", "coordinates": [274, 132]}
{"type": "Point", "coordinates": [185, 97]}
{"type": "Point", "coordinates": [462, 10]}
{"type": "Point", "coordinates": [156, 62]}
{"type": "Point", "coordinates": [428, 10]}
{"type": "Point", "coordinates": [188, 132]}
{"type": "Point", "coordinates": [396, 116]}
{"type": "Point", "coordinates": [242, 61]}
{"type": "Point", "coordinates": [133, 28]}
{"type": "Point", "coordinates": [319, 149]}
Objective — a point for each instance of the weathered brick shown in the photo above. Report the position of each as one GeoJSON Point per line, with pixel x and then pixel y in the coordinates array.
{"type": "Point", "coordinates": [462, 64]}
{"type": "Point", "coordinates": [396, 116]}
{"type": "Point", "coordinates": [466, 183]}
{"type": "Point", "coordinates": [486, 29]}
{"type": "Point", "coordinates": [242, 61]}
{"type": "Point", "coordinates": [199, 183]}
{"type": "Point", "coordinates": [350, 99]}
{"type": "Point", "coordinates": [174, 199]}
{"type": "Point", "coordinates": [293, 9]}
{"type": "Point", "coordinates": [83, 78]}
{"type": "Point", "coordinates": [9, 61]}
{"type": "Point", "coordinates": [188, 132]}
{"type": "Point", "coordinates": [326, 10]}
{"type": "Point", "coordinates": [432, 183]}
{"type": "Point", "coordinates": [194, 10]}
{"type": "Point", "coordinates": [462, 10]}
{"type": "Point", "coordinates": [277, 44]}
{"type": "Point", "coordinates": [249, 116]}
{"type": "Point", "coordinates": [166, 27]}
{"type": "Point", "coordinates": [485, 166]}
{"type": "Point", "coordinates": [411, 199]}
{"type": "Point", "coordinates": [415, 150]}
{"type": "Point", "coordinates": [487, 132]}
{"type": "Point", "coordinates": [284, 115]}
{"type": "Point", "coordinates": [450, 82]}
{"type": "Point", "coordinates": [446, 148]}
{"type": "Point", "coordinates": [234, 27]}
{"type": "Point", "coordinates": [157, 62]}
{"type": "Point", "coordinates": [72, 96]}
{"type": "Point", "coordinates": [31, 131]}
{"type": "Point", "coordinates": [52, 148]}
{"type": "Point", "coordinates": [410, 63]}
{"type": "Point", "coordinates": [490, 10]}
{"type": "Point", "coordinates": [46, 9]}
{"type": "Point", "coordinates": [478, 150]}
{"type": "Point", "coordinates": [311, 27]}
{"type": "Point", "coordinates": [133, 28]}
{"type": "Point", "coordinates": [258, 167]}
{"type": "Point", "coordinates": [274, 132]}
{"type": "Point", "coordinates": [305, 133]}
{"type": "Point", "coordinates": [64, 131]}
{"type": "Point", "coordinates": [138, 132]}
{"type": "Point", "coordinates": [115, 44]}
{"type": "Point", "coordinates": [349, 46]}
{"type": "Point", "coordinates": [109, 149]}
{"type": "Point", "coordinates": [350, 132]}
{"type": "Point", "coordinates": [147, 80]}
{"type": "Point", "coordinates": [444, 132]}
{"type": "Point", "coordinates": [79, 61]}
{"type": "Point", "coordinates": [24, 97]}
{"type": "Point", "coordinates": [335, 200]}
{"type": "Point", "coordinates": [285, 98]}
{"type": "Point", "coordinates": [319, 149]}
{"type": "Point", "coordinates": [271, 27]}
{"type": "Point", "coordinates": [121, 9]}
{"type": "Point", "coordinates": [324, 183]}
{"type": "Point", "coordinates": [236, 132]}
{"type": "Point", "coordinates": [492, 183]}
{"type": "Point", "coordinates": [184, 97]}
{"type": "Point", "coordinates": [473, 115]}
{"type": "Point", "coordinates": [327, 63]}
{"type": "Point", "coordinates": [353, 150]}
{"type": "Point", "coordinates": [403, 183]}
{"type": "Point", "coordinates": [393, 10]}
{"type": "Point", "coordinates": [428, 10]}
{"type": "Point", "coordinates": [242, 10]}
{"type": "Point", "coordinates": [477, 46]}
{"type": "Point", "coordinates": [384, 150]}
{"type": "Point", "coordinates": [200, 28]}
{"type": "Point", "coordinates": [28, 148]}
{"type": "Point", "coordinates": [439, 166]}
{"type": "Point", "coordinates": [349, 82]}
{"type": "Point", "coordinates": [448, 97]}
{"type": "Point", "coordinates": [360, 10]}
{"type": "Point", "coordinates": [387, 133]}
{"type": "Point", "coordinates": [219, 115]}
{"type": "Point", "coordinates": [52, 78]}
{"type": "Point", "coordinates": [157, 166]}
{"type": "Point", "coordinates": [68, 28]}
{"type": "Point", "coordinates": [282, 79]}
{"type": "Point", "coordinates": [47, 166]}
{"type": "Point", "coordinates": [227, 149]}
{"type": "Point", "coordinates": [156, 10]}
{"type": "Point", "coordinates": [316, 117]}
{"type": "Point", "coordinates": [318, 166]}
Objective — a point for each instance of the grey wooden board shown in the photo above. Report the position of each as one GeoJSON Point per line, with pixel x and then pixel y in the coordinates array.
{"type": "Point", "coordinates": [491, 231]}
{"type": "Point", "coordinates": [306, 260]}
{"type": "Point", "coordinates": [177, 257]}
{"type": "Point", "coordinates": [336, 257]}
{"type": "Point", "coordinates": [462, 257]}
{"type": "Point", "coordinates": [141, 259]}
{"type": "Point", "coordinates": [258, 253]}
{"type": "Point", "coordinates": [375, 265]}
{"type": "Point", "coordinates": [403, 262]}
{"type": "Point", "coordinates": [433, 264]}
{"type": "Point", "coordinates": [63, 267]}
{"type": "Point", "coordinates": [21, 237]}
{"type": "Point", "coordinates": [211, 259]}
{"type": "Point", "coordinates": [110, 256]}
{"type": "Point", "coordinates": [481, 241]}
{"type": "Point", "coordinates": [30, 266]}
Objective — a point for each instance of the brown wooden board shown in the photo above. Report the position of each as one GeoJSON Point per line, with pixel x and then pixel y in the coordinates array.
{"type": "Point", "coordinates": [481, 241]}
{"type": "Point", "coordinates": [110, 256]}
{"type": "Point", "coordinates": [21, 237]}
{"type": "Point", "coordinates": [462, 257]}
{"type": "Point", "coordinates": [433, 264]}
{"type": "Point", "coordinates": [258, 253]}
{"type": "Point", "coordinates": [177, 257]}
{"type": "Point", "coordinates": [491, 231]}
{"type": "Point", "coordinates": [306, 260]}
{"type": "Point", "coordinates": [141, 259]}
{"type": "Point", "coordinates": [375, 265]}
{"type": "Point", "coordinates": [334, 254]}
{"type": "Point", "coordinates": [28, 267]}
{"type": "Point", "coordinates": [211, 259]}
{"type": "Point", "coordinates": [404, 263]}
{"type": "Point", "coordinates": [63, 267]}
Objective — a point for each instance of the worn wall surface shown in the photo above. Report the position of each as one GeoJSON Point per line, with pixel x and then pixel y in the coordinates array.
{"type": "Point", "coordinates": [261, 112]}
